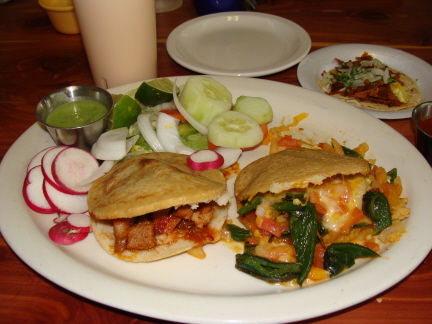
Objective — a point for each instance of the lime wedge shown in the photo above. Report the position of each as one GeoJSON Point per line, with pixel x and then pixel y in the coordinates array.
{"type": "Point", "coordinates": [155, 92]}
{"type": "Point", "coordinates": [125, 112]}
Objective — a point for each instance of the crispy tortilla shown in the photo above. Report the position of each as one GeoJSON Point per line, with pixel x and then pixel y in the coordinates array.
{"type": "Point", "coordinates": [293, 168]}
{"type": "Point", "coordinates": [148, 183]}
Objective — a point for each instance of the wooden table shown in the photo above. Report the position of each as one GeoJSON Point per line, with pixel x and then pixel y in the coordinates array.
{"type": "Point", "coordinates": [35, 60]}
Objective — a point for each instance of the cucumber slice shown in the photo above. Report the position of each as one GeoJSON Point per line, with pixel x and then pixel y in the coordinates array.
{"type": "Point", "coordinates": [204, 98]}
{"type": "Point", "coordinates": [256, 107]}
{"type": "Point", "coordinates": [234, 129]}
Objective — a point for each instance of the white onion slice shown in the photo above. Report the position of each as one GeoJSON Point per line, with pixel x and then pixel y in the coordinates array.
{"type": "Point", "coordinates": [111, 145]}
{"type": "Point", "coordinates": [183, 149]}
{"type": "Point", "coordinates": [205, 160]}
{"type": "Point", "coordinates": [167, 132]}
{"type": "Point", "coordinates": [131, 142]}
{"type": "Point", "coordinates": [148, 132]}
{"type": "Point", "coordinates": [230, 155]}
{"type": "Point", "coordinates": [195, 124]}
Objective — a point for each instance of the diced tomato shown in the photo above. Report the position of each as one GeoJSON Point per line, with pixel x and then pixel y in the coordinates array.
{"type": "Point", "coordinates": [319, 256]}
{"type": "Point", "coordinates": [253, 240]}
{"type": "Point", "coordinates": [165, 224]}
{"type": "Point", "coordinates": [356, 217]}
{"type": "Point", "coordinates": [373, 246]}
{"type": "Point", "coordinates": [211, 146]}
{"type": "Point", "coordinates": [174, 113]}
{"type": "Point", "coordinates": [271, 226]}
{"type": "Point", "coordinates": [289, 141]}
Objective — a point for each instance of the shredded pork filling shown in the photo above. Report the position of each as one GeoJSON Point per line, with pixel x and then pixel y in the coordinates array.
{"type": "Point", "coordinates": [139, 233]}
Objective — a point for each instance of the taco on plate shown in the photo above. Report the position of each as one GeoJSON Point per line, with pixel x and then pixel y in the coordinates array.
{"type": "Point", "coordinates": [153, 206]}
{"type": "Point", "coordinates": [368, 83]}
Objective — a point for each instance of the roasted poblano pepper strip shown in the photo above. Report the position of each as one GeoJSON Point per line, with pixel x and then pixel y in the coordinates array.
{"type": "Point", "coordinates": [237, 233]}
{"type": "Point", "coordinates": [392, 174]}
{"type": "Point", "coordinates": [339, 256]}
{"type": "Point", "coordinates": [303, 225]}
{"type": "Point", "coordinates": [287, 206]}
{"type": "Point", "coordinates": [377, 208]}
{"type": "Point", "coordinates": [294, 195]}
{"type": "Point", "coordinates": [351, 153]}
{"type": "Point", "coordinates": [250, 205]}
{"type": "Point", "coordinates": [266, 270]}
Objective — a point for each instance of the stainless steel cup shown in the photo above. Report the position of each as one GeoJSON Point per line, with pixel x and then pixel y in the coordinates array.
{"type": "Point", "coordinates": [423, 139]}
{"type": "Point", "coordinates": [82, 136]}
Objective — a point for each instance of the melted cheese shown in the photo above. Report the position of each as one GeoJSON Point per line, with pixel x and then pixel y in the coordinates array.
{"type": "Point", "coordinates": [339, 196]}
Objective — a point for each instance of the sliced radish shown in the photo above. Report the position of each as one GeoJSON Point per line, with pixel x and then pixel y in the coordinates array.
{"type": "Point", "coordinates": [64, 234]}
{"type": "Point", "coordinates": [230, 155]}
{"type": "Point", "coordinates": [47, 161]}
{"type": "Point", "coordinates": [204, 160]}
{"type": "Point", "coordinates": [60, 218]}
{"type": "Point", "coordinates": [63, 202]}
{"type": "Point", "coordinates": [102, 170]}
{"type": "Point", "coordinates": [71, 167]}
{"type": "Point", "coordinates": [33, 193]}
{"type": "Point", "coordinates": [79, 221]}
{"type": "Point", "coordinates": [37, 159]}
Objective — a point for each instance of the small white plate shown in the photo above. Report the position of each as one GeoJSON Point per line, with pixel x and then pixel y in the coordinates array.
{"type": "Point", "coordinates": [189, 290]}
{"type": "Point", "coordinates": [248, 44]}
{"type": "Point", "coordinates": [310, 69]}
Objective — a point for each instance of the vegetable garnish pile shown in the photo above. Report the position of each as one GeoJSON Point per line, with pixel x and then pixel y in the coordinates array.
{"type": "Point", "coordinates": [366, 82]}
{"type": "Point", "coordinates": [200, 121]}
{"type": "Point", "coordinates": [313, 221]}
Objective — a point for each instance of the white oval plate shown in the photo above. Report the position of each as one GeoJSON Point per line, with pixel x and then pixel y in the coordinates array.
{"type": "Point", "coordinates": [189, 290]}
{"type": "Point", "coordinates": [246, 44]}
{"type": "Point", "coordinates": [310, 69]}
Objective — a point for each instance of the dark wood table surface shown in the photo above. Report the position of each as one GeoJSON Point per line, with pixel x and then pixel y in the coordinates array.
{"type": "Point", "coordinates": [35, 60]}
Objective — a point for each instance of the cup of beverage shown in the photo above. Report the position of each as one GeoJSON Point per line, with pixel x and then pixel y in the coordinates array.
{"type": "Point", "coordinates": [62, 15]}
{"type": "Point", "coordinates": [422, 120]}
{"type": "Point", "coordinates": [120, 40]}
{"type": "Point", "coordinates": [75, 115]}
{"type": "Point", "coordinates": [205, 7]}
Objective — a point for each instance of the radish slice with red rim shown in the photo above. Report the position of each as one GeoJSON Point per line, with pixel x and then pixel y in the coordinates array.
{"type": "Point", "coordinates": [79, 221]}
{"type": "Point", "coordinates": [103, 169]}
{"type": "Point", "coordinates": [64, 234]}
{"type": "Point", "coordinates": [33, 192]}
{"type": "Point", "coordinates": [205, 160]}
{"type": "Point", "coordinates": [60, 218]}
{"type": "Point", "coordinates": [37, 159]}
{"type": "Point", "coordinates": [71, 167]}
{"type": "Point", "coordinates": [47, 161]}
{"type": "Point", "coordinates": [63, 202]}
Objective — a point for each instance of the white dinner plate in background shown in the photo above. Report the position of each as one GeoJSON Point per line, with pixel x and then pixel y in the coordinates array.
{"type": "Point", "coordinates": [248, 44]}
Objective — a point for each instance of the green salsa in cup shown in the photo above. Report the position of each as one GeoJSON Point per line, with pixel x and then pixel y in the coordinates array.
{"type": "Point", "coordinates": [76, 113]}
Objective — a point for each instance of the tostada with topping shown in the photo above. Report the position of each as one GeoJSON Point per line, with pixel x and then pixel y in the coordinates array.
{"type": "Point", "coordinates": [368, 83]}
